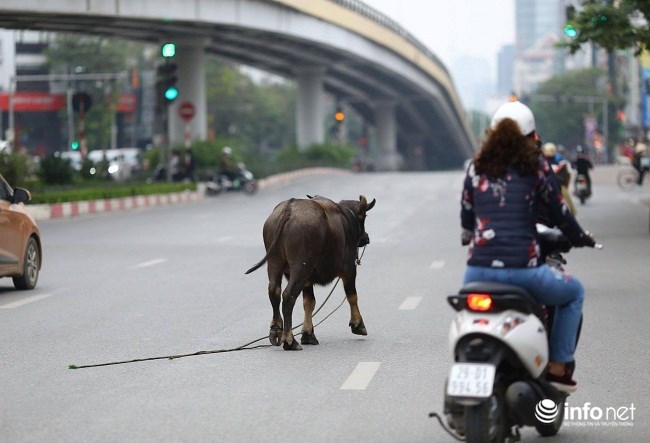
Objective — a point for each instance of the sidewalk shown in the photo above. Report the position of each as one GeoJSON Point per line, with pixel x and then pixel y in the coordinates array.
{"type": "Point", "coordinates": [93, 207]}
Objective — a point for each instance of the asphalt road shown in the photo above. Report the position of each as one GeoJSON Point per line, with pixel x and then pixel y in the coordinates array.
{"type": "Point", "coordinates": [171, 280]}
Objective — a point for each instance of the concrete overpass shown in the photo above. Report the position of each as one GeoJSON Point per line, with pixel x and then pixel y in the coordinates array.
{"type": "Point", "coordinates": [340, 47]}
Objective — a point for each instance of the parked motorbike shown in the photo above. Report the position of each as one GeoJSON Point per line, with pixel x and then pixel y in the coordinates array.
{"type": "Point", "coordinates": [581, 188]}
{"type": "Point", "coordinates": [499, 340]}
{"type": "Point", "coordinates": [244, 181]}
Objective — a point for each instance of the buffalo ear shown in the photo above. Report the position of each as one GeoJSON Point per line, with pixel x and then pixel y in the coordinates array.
{"type": "Point", "coordinates": [371, 205]}
{"type": "Point", "coordinates": [363, 204]}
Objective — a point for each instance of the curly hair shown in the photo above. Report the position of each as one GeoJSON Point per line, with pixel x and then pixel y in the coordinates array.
{"type": "Point", "coordinates": [506, 147]}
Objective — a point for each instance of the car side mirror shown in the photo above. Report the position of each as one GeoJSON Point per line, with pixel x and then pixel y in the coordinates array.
{"type": "Point", "coordinates": [21, 195]}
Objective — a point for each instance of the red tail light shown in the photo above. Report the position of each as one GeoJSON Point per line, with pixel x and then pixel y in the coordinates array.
{"type": "Point", "coordinates": [479, 302]}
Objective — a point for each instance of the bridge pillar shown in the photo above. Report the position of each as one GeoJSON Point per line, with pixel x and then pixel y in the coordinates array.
{"type": "Point", "coordinates": [310, 109]}
{"type": "Point", "coordinates": [386, 124]}
{"type": "Point", "coordinates": [190, 61]}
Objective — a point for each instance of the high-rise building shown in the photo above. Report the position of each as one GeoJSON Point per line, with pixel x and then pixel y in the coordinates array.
{"type": "Point", "coordinates": [534, 20]}
{"type": "Point", "coordinates": [538, 26]}
{"type": "Point", "coordinates": [505, 69]}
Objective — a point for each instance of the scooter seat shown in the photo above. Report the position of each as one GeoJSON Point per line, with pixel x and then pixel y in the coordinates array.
{"type": "Point", "coordinates": [494, 288]}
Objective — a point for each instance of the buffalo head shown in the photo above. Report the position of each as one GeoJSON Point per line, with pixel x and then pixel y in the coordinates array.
{"type": "Point", "coordinates": [359, 209]}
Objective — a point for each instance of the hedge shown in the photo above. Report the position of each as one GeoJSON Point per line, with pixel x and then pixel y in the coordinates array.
{"type": "Point", "coordinates": [49, 196]}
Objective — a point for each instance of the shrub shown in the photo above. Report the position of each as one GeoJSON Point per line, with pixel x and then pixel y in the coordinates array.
{"type": "Point", "coordinates": [56, 170]}
{"type": "Point", "coordinates": [15, 168]}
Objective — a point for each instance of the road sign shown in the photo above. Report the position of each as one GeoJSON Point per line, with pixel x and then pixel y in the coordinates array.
{"type": "Point", "coordinates": [187, 111]}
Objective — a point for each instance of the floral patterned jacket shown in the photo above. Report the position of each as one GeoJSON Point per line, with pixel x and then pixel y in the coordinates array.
{"type": "Point", "coordinates": [501, 213]}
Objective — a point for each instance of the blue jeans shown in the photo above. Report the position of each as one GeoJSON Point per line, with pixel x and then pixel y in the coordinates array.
{"type": "Point", "coordinates": [548, 286]}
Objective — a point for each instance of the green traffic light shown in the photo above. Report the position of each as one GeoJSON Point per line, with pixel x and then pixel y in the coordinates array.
{"type": "Point", "coordinates": [570, 31]}
{"type": "Point", "coordinates": [168, 50]}
{"type": "Point", "coordinates": [171, 93]}
{"type": "Point", "coordinates": [74, 145]}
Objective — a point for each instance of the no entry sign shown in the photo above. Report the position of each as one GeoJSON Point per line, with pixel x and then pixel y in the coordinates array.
{"type": "Point", "coordinates": [187, 111]}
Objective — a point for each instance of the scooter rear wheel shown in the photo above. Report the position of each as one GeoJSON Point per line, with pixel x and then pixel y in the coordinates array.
{"type": "Point", "coordinates": [487, 422]}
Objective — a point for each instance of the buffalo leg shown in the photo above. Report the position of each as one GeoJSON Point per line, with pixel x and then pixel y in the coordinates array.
{"type": "Point", "coordinates": [309, 302]}
{"type": "Point", "coordinates": [356, 321]}
{"type": "Point", "coordinates": [296, 283]}
{"type": "Point", "coordinates": [275, 295]}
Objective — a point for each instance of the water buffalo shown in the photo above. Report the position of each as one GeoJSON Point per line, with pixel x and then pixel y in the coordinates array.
{"type": "Point", "coordinates": [312, 241]}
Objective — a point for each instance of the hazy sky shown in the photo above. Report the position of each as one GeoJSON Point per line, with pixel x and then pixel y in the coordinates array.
{"type": "Point", "coordinates": [453, 28]}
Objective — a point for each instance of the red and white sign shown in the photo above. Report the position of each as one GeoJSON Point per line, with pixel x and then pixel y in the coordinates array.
{"type": "Point", "coordinates": [187, 111]}
{"type": "Point", "coordinates": [33, 101]}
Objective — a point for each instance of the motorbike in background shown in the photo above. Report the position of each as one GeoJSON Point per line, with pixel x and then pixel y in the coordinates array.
{"type": "Point", "coordinates": [581, 188]}
{"type": "Point", "coordinates": [244, 181]}
{"type": "Point", "coordinates": [499, 340]}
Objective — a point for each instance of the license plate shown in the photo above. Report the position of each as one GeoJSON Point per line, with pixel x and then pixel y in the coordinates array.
{"type": "Point", "coordinates": [581, 187]}
{"type": "Point", "coordinates": [471, 380]}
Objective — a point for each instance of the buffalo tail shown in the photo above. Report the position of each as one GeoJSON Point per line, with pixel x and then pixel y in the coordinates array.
{"type": "Point", "coordinates": [286, 212]}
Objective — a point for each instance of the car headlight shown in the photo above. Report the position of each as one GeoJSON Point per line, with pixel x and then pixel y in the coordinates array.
{"type": "Point", "coordinates": [112, 169]}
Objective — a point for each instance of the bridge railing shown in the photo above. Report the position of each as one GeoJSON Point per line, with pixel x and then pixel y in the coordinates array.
{"type": "Point", "coordinates": [363, 9]}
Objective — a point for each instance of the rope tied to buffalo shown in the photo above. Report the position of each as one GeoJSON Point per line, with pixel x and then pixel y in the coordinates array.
{"type": "Point", "coordinates": [243, 347]}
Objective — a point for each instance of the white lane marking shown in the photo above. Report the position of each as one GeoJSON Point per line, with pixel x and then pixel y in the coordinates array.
{"type": "Point", "coordinates": [410, 303]}
{"type": "Point", "coordinates": [150, 263]}
{"type": "Point", "coordinates": [25, 301]}
{"type": "Point", "coordinates": [361, 376]}
{"type": "Point", "coordinates": [437, 264]}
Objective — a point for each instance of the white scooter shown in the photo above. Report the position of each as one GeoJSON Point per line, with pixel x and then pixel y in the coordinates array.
{"type": "Point", "coordinates": [500, 346]}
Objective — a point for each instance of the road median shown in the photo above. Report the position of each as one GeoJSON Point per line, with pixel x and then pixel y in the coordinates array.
{"type": "Point", "coordinates": [95, 207]}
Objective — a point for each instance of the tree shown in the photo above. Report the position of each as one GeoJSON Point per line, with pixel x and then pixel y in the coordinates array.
{"type": "Point", "coordinates": [561, 120]}
{"type": "Point", "coordinates": [611, 25]}
{"type": "Point", "coordinates": [69, 53]}
{"type": "Point", "coordinates": [260, 114]}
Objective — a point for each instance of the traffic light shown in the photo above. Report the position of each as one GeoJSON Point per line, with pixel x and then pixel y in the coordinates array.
{"type": "Point", "coordinates": [166, 80]}
{"type": "Point", "coordinates": [339, 115]}
{"type": "Point", "coordinates": [74, 145]}
{"type": "Point", "coordinates": [168, 50]}
{"type": "Point", "coordinates": [569, 29]}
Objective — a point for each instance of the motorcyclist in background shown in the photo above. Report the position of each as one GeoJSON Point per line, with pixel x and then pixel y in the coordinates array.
{"type": "Point", "coordinates": [503, 187]}
{"type": "Point", "coordinates": [640, 152]}
{"type": "Point", "coordinates": [227, 166]}
{"type": "Point", "coordinates": [583, 165]}
{"type": "Point", "coordinates": [561, 168]}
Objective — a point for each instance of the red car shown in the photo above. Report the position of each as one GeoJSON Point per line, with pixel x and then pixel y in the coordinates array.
{"type": "Point", "coordinates": [20, 239]}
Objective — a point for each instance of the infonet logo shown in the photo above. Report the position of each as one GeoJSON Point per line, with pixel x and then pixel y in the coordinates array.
{"type": "Point", "coordinates": [547, 411]}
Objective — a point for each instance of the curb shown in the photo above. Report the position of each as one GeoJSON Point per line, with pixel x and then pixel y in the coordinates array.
{"type": "Point", "coordinates": [94, 207]}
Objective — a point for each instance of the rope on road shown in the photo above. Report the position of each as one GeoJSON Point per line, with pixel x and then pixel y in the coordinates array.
{"type": "Point", "coordinates": [219, 351]}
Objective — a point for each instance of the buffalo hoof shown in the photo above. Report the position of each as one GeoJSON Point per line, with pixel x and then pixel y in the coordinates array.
{"type": "Point", "coordinates": [294, 346]}
{"type": "Point", "coordinates": [359, 329]}
{"type": "Point", "coordinates": [308, 339]}
{"type": "Point", "coordinates": [275, 336]}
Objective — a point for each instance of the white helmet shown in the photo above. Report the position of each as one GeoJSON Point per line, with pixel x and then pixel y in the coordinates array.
{"type": "Point", "coordinates": [549, 149]}
{"type": "Point", "coordinates": [227, 150]}
{"type": "Point", "coordinates": [518, 112]}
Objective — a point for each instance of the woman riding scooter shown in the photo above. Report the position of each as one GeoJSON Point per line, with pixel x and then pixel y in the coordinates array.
{"type": "Point", "coordinates": [502, 190]}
